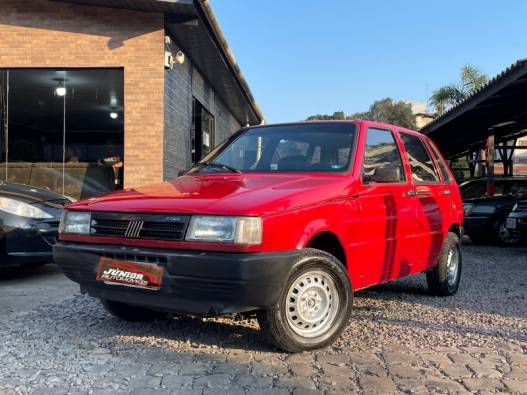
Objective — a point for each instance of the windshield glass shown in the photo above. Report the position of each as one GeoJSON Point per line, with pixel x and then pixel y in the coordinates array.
{"type": "Point", "coordinates": [315, 147]}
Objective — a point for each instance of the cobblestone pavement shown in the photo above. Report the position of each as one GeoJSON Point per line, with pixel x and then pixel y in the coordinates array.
{"type": "Point", "coordinates": [399, 340]}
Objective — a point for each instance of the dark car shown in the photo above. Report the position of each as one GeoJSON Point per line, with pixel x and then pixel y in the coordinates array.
{"type": "Point", "coordinates": [517, 220]}
{"type": "Point", "coordinates": [29, 220]}
{"type": "Point", "coordinates": [486, 216]}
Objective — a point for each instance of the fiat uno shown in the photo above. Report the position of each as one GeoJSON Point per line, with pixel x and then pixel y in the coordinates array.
{"type": "Point", "coordinates": [286, 221]}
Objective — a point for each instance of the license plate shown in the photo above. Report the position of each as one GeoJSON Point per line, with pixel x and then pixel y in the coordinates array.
{"type": "Point", "coordinates": [130, 274]}
{"type": "Point", "coordinates": [511, 223]}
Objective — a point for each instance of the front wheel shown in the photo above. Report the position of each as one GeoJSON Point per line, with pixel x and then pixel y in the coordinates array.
{"type": "Point", "coordinates": [315, 306]}
{"type": "Point", "coordinates": [443, 280]}
{"type": "Point", "coordinates": [503, 235]}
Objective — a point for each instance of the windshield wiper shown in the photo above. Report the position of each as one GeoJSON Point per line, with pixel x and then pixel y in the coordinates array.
{"type": "Point", "coordinates": [218, 166]}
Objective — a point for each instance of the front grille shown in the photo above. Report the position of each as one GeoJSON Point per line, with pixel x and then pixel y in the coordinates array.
{"type": "Point", "coordinates": [156, 230]}
{"type": "Point", "coordinates": [137, 258]}
{"type": "Point", "coordinates": [109, 227]}
{"type": "Point", "coordinates": [140, 226]}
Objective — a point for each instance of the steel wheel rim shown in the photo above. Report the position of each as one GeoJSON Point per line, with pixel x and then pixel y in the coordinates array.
{"type": "Point", "coordinates": [506, 235]}
{"type": "Point", "coordinates": [452, 265]}
{"type": "Point", "coordinates": [312, 304]}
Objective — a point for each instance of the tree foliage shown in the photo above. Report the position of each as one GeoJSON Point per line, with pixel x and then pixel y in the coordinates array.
{"type": "Point", "coordinates": [392, 112]}
{"type": "Point", "coordinates": [386, 110]}
{"type": "Point", "coordinates": [471, 80]}
{"type": "Point", "coordinates": [337, 115]}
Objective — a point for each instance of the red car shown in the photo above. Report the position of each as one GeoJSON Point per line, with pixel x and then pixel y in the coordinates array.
{"type": "Point", "coordinates": [285, 220]}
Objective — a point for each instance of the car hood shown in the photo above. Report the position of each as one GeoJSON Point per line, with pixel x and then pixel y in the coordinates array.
{"type": "Point", "coordinates": [236, 194]}
{"type": "Point", "coordinates": [33, 195]}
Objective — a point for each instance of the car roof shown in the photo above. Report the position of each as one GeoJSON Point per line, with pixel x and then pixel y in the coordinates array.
{"type": "Point", "coordinates": [333, 121]}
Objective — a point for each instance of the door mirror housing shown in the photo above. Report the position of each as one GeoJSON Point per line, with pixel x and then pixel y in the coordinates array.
{"type": "Point", "coordinates": [385, 174]}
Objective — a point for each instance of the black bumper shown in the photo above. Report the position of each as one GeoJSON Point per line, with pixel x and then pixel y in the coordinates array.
{"type": "Point", "coordinates": [26, 246]}
{"type": "Point", "coordinates": [202, 283]}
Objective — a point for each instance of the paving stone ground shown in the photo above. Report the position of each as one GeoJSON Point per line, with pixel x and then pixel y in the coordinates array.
{"type": "Point", "coordinates": [400, 340]}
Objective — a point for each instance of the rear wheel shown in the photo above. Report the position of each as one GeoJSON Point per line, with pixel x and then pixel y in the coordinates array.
{"type": "Point", "coordinates": [443, 280]}
{"type": "Point", "coordinates": [315, 306]}
{"type": "Point", "coordinates": [132, 313]}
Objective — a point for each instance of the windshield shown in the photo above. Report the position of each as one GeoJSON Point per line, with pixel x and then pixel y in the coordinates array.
{"type": "Point", "coordinates": [316, 147]}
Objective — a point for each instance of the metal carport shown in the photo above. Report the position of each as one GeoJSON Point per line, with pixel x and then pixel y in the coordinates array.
{"type": "Point", "coordinates": [493, 117]}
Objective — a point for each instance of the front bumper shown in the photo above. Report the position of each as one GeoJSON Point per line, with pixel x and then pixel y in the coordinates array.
{"type": "Point", "coordinates": [521, 223]}
{"type": "Point", "coordinates": [27, 241]}
{"type": "Point", "coordinates": [194, 282]}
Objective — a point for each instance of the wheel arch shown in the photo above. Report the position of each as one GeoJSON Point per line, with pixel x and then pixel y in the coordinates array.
{"type": "Point", "coordinates": [329, 242]}
{"type": "Point", "coordinates": [455, 228]}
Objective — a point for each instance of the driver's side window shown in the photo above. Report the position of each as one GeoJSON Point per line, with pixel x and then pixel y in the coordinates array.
{"type": "Point", "coordinates": [382, 158]}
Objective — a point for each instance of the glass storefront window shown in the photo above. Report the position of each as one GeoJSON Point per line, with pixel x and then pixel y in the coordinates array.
{"type": "Point", "coordinates": [203, 131]}
{"type": "Point", "coordinates": [63, 129]}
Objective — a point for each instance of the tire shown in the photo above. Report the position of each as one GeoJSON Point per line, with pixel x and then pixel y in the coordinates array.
{"type": "Point", "coordinates": [132, 313]}
{"type": "Point", "coordinates": [322, 279]}
{"type": "Point", "coordinates": [501, 235]}
{"type": "Point", "coordinates": [444, 278]}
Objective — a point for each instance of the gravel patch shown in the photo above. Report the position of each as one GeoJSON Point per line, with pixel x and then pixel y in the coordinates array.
{"type": "Point", "coordinates": [400, 339]}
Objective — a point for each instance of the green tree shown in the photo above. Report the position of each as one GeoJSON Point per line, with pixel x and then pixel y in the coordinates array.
{"type": "Point", "coordinates": [393, 112]}
{"type": "Point", "coordinates": [386, 110]}
{"type": "Point", "coordinates": [471, 80]}
{"type": "Point", "coordinates": [337, 115]}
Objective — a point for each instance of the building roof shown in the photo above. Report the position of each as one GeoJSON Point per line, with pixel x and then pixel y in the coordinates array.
{"type": "Point", "coordinates": [197, 32]}
{"type": "Point", "coordinates": [499, 105]}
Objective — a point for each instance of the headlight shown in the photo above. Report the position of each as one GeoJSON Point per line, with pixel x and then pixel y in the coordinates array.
{"type": "Point", "coordinates": [22, 209]}
{"type": "Point", "coordinates": [216, 229]}
{"type": "Point", "coordinates": [74, 222]}
{"type": "Point", "coordinates": [515, 207]}
{"type": "Point", "coordinates": [467, 208]}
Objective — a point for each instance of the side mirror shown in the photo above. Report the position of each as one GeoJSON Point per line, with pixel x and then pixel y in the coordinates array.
{"type": "Point", "coordinates": [386, 174]}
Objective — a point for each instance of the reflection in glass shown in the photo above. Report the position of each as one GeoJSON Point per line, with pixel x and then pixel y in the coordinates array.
{"type": "Point", "coordinates": [63, 129]}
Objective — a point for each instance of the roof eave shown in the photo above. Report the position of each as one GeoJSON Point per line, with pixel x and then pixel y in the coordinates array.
{"type": "Point", "coordinates": [205, 9]}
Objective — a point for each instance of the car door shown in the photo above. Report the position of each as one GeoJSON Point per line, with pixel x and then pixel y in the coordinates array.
{"type": "Point", "coordinates": [430, 206]}
{"type": "Point", "coordinates": [387, 211]}
{"type": "Point", "coordinates": [448, 192]}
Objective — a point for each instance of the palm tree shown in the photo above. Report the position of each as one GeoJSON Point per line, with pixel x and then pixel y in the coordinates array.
{"type": "Point", "coordinates": [448, 96]}
{"type": "Point", "coordinates": [443, 98]}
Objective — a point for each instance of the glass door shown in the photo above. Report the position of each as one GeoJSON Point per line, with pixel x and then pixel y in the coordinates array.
{"type": "Point", "coordinates": [63, 130]}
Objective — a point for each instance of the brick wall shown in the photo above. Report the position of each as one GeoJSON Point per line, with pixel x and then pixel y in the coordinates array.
{"type": "Point", "coordinates": [41, 33]}
{"type": "Point", "coordinates": [182, 83]}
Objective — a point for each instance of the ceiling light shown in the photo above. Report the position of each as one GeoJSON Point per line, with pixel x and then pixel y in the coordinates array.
{"type": "Point", "coordinates": [61, 91]}
{"type": "Point", "coordinates": [114, 115]}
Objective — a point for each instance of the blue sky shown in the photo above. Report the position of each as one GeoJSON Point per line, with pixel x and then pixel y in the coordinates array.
{"type": "Point", "coordinates": [303, 57]}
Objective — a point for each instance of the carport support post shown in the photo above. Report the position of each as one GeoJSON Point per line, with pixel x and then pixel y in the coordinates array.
{"type": "Point", "coordinates": [490, 163]}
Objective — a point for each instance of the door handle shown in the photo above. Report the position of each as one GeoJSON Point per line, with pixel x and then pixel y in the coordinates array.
{"type": "Point", "coordinates": [410, 193]}
{"type": "Point", "coordinates": [446, 192]}
{"type": "Point", "coordinates": [423, 191]}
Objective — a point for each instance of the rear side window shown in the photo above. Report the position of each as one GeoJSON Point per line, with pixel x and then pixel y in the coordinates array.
{"type": "Point", "coordinates": [423, 169]}
{"type": "Point", "coordinates": [473, 189]}
{"type": "Point", "coordinates": [382, 159]}
{"type": "Point", "coordinates": [442, 165]}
